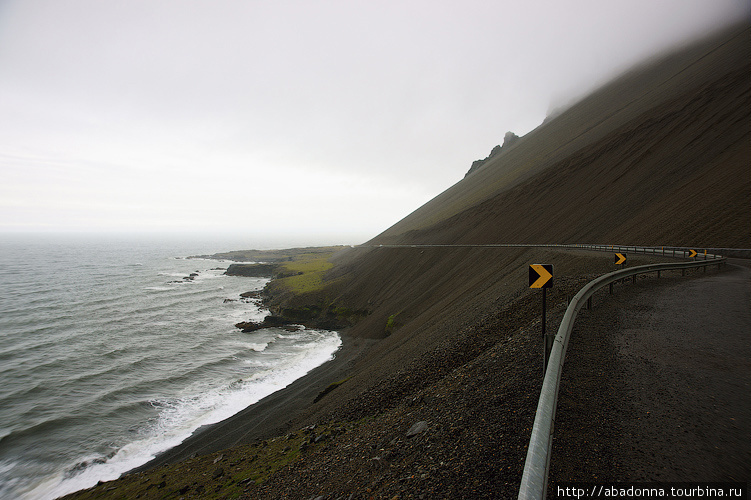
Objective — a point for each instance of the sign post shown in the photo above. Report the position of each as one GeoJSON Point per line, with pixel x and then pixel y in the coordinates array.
{"type": "Point", "coordinates": [541, 276]}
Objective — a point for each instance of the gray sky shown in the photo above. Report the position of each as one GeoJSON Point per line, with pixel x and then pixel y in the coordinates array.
{"type": "Point", "coordinates": [271, 117]}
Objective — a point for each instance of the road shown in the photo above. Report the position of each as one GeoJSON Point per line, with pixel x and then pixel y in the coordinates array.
{"type": "Point", "coordinates": [657, 383]}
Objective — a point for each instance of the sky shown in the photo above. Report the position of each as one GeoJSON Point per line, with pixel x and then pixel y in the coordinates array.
{"type": "Point", "coordinates": [324, 118]}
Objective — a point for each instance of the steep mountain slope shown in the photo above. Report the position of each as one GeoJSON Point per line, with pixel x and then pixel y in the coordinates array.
{"type": "Point", "coordinates": [661, 156]}
{"type": "Point", "coordinates": [658, 156]}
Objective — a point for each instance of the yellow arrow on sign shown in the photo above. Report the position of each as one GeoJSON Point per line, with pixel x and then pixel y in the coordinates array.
{"type": "Point", "coordinates": [692, 254]}
{"type": "Point", "coordinates": [542, 272]}
{"type": "Point", "coordinates": [620, 258]}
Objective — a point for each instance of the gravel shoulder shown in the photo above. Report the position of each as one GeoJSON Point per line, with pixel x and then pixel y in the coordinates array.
{"type": "Point", "coordinates": [657, 383]}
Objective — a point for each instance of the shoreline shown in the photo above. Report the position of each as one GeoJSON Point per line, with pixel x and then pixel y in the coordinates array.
{"type": "Point", "coordinates": [269, 417]}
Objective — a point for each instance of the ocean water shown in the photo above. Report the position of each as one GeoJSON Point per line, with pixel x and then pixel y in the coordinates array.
{"type": "Point", "coordinates": [108, 355]}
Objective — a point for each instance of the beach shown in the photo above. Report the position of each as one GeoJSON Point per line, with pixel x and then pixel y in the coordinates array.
{"type": "Point", "coordinates": [273, 415]}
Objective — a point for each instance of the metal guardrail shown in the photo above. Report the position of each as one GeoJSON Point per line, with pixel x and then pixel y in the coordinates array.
{"type": "Point", "coordinates": [535, 477]}
{"type": "Point", "coordinates": [744, 253]}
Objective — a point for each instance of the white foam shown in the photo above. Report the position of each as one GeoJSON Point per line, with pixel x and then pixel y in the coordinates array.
{"type": "Point", "coordinates": [258, 347]}
{"type": "Point", "coordinates": [179, 417]}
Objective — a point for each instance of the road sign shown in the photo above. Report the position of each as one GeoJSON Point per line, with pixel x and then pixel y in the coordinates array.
{"type": "Point", "coordinates": [692, 253]}
{"type": "Point", "coordinates": [620, 258]}
{"type": "Point", "coordinates": [541, 276]}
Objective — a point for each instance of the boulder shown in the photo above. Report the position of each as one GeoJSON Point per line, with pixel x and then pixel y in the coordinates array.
{"type": "Point", "coordinates": [417, 428]}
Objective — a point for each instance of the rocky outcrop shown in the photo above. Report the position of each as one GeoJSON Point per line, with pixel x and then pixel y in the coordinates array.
{"type": "Point", "coordinates": [311, 316]}
{"type": "Point", "coordinates": [479, 163]}
{"type": "Point", "coordinates": [252, 270]}
{"type": "Point", "coordinates": [268, 322]}
{"type": "Point", "coordinates": [508, 140]}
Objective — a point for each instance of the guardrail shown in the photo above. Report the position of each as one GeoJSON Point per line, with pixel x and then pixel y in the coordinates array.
{"type": "Point", "coordinates": [743, 253]}
{"type": "Point", "coordinates": [535, 477]}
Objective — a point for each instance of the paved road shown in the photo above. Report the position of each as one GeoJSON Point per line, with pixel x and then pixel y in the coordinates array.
{"type": "Point", "coordinates": [657, 383]}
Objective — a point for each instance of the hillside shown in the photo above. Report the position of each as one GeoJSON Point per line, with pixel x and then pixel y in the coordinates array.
{"type": "Point", "coordinates": [658, 156]}
{"type": "Point", "coordinates": [450, 336]}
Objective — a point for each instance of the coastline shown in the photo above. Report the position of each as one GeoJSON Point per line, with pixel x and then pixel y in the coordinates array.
{"type": "Point", "coordinates": [269, 417]}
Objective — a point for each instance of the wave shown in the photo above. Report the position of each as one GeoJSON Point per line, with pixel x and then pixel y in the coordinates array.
{"type": "Point", "coordinates": [178, 417]}
{"type": "Point", "coordinates": [105, 363]}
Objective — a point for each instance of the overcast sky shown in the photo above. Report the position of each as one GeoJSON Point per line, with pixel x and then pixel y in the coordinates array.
{"type": "Point", "coordinates": [308, 117]}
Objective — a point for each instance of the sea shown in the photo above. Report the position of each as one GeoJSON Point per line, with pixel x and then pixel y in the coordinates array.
{"type": "Point", "coordinates": [114, 349]}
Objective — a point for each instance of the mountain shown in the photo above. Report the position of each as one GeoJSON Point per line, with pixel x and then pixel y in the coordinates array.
{"type": "Point", "coordinates": [658, 156]}
{"type": "Point", "coordinates": [436, 387]}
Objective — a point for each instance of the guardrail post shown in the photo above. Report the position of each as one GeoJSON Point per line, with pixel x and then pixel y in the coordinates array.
{"type": "Point", "coordinates": [658, 274]}
{"type": "Point", "coordinates": [544, 336]}
{"type": "Point", "coordinates": [611, 289]}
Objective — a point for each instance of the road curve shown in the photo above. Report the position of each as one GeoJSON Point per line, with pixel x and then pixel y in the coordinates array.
{"type": "Point", "coordinates": [657, 383]}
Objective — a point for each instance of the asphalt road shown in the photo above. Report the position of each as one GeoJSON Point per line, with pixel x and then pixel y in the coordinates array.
{"type": "Point", "coordinates": [657, 383]}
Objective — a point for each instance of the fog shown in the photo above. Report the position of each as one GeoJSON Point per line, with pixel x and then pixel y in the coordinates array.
{"type": "Point", "coordinates": [301, 117]}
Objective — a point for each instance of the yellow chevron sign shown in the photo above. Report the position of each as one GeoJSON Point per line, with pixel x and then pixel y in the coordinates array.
{"type": "Point", "coordinates": [540, 275]}
{"type": "Point", "coordinates": [692, 253]}
{"type": "Point", "coordinates": [620, 258]}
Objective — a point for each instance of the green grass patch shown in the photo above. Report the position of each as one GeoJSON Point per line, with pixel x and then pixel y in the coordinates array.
{"type": "Point", "coordinates": [305, 272]}
{"type": "Point", "coordinates": [391, 323]}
